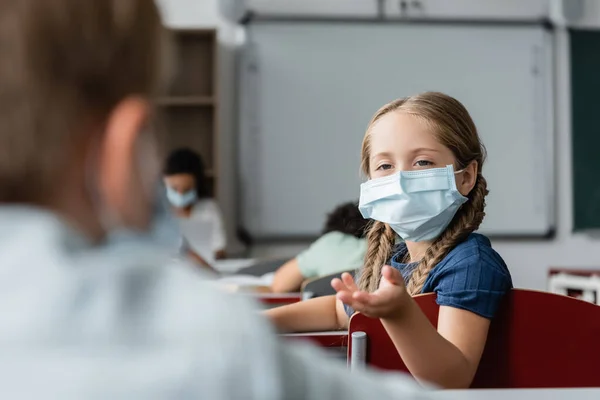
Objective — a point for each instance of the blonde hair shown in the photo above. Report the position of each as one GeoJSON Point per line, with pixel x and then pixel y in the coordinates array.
{"type": "Point", "coordinates": [64, 66]}
{"type": "Point", "coordinates": [452, 126]}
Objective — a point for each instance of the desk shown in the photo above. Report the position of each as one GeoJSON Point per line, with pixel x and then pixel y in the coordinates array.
{"type": "Point", "coordinates": [233, 265]}
{"type": "Point", "coordinates": [517, 394]}
{"type": "Point", "coordinates": [323, 339]}
{"type": "Point", "coordinates": [334, 343]}
{"type": "Point", "coordinates": [578, 272]}
{"type": "Point", "coordinates": [271, 300]}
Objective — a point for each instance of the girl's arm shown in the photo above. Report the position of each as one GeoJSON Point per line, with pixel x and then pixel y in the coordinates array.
{"type": "Point", "coordinates": [321, 314]}
{"type": "Point", "coordinates": [287, 278]}
{"type": "Point", "coordinates": [447, 357]}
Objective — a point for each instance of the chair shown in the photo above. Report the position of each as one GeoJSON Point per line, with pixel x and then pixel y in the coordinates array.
{"type": "Point", "coordinates": [320, 286]}
{"type": "Point", "coordinates": [536, 340]}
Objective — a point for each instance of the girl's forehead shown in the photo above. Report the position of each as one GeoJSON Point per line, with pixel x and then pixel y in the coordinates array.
{"type": "Point", "coordinates": [399, 131]}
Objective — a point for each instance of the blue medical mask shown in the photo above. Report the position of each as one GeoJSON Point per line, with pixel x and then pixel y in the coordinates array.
{"type": "Point", "coordinates": [418, 205]}
{"type": "Point", "coordinates": [181, 200]}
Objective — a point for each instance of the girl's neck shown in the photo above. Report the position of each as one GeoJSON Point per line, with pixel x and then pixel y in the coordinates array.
{"type": "Point", "coordinates": [185, 212]}
{"type": "Point", "coordinates": [416, 250]}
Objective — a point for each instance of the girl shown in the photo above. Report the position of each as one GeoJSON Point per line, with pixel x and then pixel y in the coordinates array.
{"type": "Point", "coordinates": [341, 247]}
{"type": "Point", "coordinates": [423, 157]}
{"type": "Point", "coordinates": [199, 215]}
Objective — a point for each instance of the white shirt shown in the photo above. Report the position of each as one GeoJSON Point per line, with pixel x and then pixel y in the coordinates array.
{"type": "Point", "coordinates": [118, 322]}
{"type": "Point", "coordinates": [203, 231]}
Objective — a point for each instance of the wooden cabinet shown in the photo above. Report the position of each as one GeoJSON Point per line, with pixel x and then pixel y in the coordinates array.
{"type": "Point", "coordinates": [189, 110]}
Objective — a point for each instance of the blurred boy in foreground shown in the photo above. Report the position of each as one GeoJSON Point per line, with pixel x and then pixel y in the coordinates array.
{"type": "Point", "coordinates": [77, 162]}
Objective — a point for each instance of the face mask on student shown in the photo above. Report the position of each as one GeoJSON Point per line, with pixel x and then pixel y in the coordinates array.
{"type": "Point", "coordinates": [181, 200]}
{"type": "Point", "coordinates": [418, 205]}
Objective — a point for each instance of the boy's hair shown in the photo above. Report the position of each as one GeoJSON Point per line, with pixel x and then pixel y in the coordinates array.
{"type": "Point", "coordinates": [64, 66]}
{"type": "Point", "coordinates": [452, 126]}
{"type": "Point", "coordinates": [346, 218]}
{"type": "Point", "coordinates": [187, 161]}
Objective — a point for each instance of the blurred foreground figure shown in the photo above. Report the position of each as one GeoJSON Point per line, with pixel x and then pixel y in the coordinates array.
{"type": "Point", "coordinates": [85, 317]}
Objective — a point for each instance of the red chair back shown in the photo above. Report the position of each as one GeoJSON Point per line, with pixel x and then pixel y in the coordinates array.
{"type": "Point", "coordinates": [536, 340]}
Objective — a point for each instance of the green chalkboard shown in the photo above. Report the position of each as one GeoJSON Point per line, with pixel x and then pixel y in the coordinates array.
{"type": "Point", "coordinates": [585, 97]}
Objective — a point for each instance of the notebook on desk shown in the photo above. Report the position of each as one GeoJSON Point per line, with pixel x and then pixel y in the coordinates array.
{"type": "Point", "coordinates": [233, 265]}
{"type": "Point", "coordinates": [247, 283]}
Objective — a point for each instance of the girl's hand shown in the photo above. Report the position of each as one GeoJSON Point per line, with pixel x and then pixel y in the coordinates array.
{"type": "Point", "coordinates": [386, 302]}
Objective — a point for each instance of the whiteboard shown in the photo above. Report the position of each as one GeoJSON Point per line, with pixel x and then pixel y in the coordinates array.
{"type": "Point", "coordinates": [478, 10]}
{"type": "Point", "coordinates": [308, 90]}
{"type": "Point", "coordinates": [237, 10]}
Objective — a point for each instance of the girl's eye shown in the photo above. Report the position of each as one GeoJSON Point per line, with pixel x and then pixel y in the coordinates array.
{"type": "Point", "coordinates": [384, 167]}
{"type": "Point", "coordinates": [423, 163]}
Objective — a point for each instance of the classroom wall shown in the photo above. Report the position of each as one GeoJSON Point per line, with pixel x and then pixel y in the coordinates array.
{"type": "Point", "coordinates": [528, 260]}
{"type": "Point", "coordinates": [591, 15]}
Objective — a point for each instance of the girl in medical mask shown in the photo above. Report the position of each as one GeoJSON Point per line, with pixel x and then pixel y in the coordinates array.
{"type": "Point", "coordinates": [424, 159]}
{"type": "Point", "coordinates": [198, 214]}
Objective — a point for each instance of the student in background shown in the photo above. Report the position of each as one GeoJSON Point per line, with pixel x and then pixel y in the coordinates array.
{"type": "Point", "coordinates": [82, 320]}
{"type": "Point", "coordinates": [424, 158]}
{"type": "Point", "coordinates": [199, 216]}
{"type": "Point", "coordinates": [341, 247]}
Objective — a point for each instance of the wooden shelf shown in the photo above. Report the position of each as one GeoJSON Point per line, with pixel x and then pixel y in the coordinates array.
{"type": "Point", "coordinates": [186, 101]}
{"type": "Point", "coordinates": [195, 32]}
{"type": "Point", "coordinates": [189, 109]}
{"type": "Point", "coordinates": [192, 127]}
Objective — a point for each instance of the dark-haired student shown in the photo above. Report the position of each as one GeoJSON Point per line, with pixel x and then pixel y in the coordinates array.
{"type": "Point", "coordinates": [199, 216]}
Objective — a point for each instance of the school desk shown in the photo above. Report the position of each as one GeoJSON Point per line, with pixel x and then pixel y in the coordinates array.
{"type": "Point", "coordinates": [581, 284]}
{"type": "Point", "coordinates": [322, 339]}
{"type": "Point", "coordinates": [578, 272]}
{"type": "Point", "coordinates": [271, 300]}
{"type": "Point", "coordinates": [517, 394]}
{"type": "Point", "coordinates": [335, 343]}
{"type": "Point", "coordinates": [233, 265]}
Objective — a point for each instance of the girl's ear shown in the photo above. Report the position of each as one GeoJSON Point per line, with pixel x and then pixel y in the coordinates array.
{"type": "Point", "coordinates": [465, 181]}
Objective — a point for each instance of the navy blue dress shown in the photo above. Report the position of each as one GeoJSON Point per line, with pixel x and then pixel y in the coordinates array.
{"type": "Point", "coordinates": [471, 277]}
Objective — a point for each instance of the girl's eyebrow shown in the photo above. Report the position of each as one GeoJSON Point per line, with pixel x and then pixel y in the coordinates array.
{"type": "Point", "coordinates": [383, 154]}
{"type": "Point", "coordinates": [422, 149]}
{"type": "Point", "coordinates": [387, 154]}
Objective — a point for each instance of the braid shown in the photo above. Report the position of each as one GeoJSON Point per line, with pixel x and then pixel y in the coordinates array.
{"type": "Point", "coordinates": [468, 219]}
{"type": "Point", "coordinates": [381, 239]}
